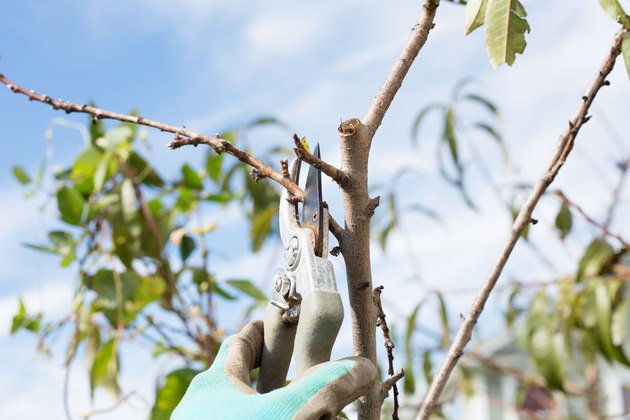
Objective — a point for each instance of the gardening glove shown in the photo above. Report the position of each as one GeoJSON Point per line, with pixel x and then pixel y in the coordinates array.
{"type": "Point", "coordinates": [224, 391]}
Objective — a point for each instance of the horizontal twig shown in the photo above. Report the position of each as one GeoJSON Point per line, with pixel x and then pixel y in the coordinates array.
{"type": "Point", "coordinates": [339, 176]}
{"type": "Point", "coordinates": [183, 136]}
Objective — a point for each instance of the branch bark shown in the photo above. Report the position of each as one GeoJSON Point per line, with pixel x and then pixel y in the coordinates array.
{"type": "Point", "coordinates": [183, 136]}
{"type": "Point", "coordinates": [355, 139]}
{"type": "Point", "coordinates": [562, 151]}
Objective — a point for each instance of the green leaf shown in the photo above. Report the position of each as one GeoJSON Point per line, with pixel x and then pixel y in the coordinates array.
{"type": "Point", "coordinates": [71, 205]}
{"type": "Point", "coordinates": [22, 320]}
{"type": "Point", "coordinates": [625, 51]}
{"type": "Point", "coordinates": [475, 15]}
{"type": "Point", "coordinates": [186, 247]}
{"type": "Point", "coordinates": [597, 256]}
{"type": "Point", "coordinates": [64, 244]}
{"type": "Point", "coordinates": [485, 102]}
{"type": "Point", "coordinates": [137, 292]}
{"type": "Point", "coordinates": [21, 175]}
{"type": "Point", "coordinates": [492, 132]}
{"type": "Point", "coordinates": [85, 165]}
{"type": "Point", "coordinates": [191, 178]}
{"type": "Point", "coordinates": [513, 310]}
{"type": "Point", "coordinates": [145, 173]}
{"type": "Point", "coordinates": [427, 367]}
{"type": "Point", "coordinates": [411, 326]}
{"type": "Point", "coordinates": [615, 11]}
{"type": "Point", "coordinates": [505, 31]}
{"type": "Point", "coordinates": [409, 382]}
{"type": "Point", "coordinates": [262, 223]}
{"type": "Point", "coordinates": [604, 315]}
{"type": "Point", "coordinates": [415, 127]}
{"type": "Point", "coordinates": [564, 220]}
{"type": "Point", "coordinates": [100, 174]}
{"type": "Point", "coordinates": [223, 197]}
{"type": "Point", "coordinates": [446, 331]}
{"type": "Point", "coordinates": [448, 136]}
{"type": "Point", "coordinates": [619, 326]}
{"type": "Point", "coordinates": [128, 200]}
{"type": "Point", "coordinates": [105, 369]}
{"type": "Point", "coordinates": [248, 288]}
{"type": "Point", "coordinates": [115, 138]}
{"type": "Point", "coordinates": [170, 392]}
{"type": "Point", "coordinates": [214, 163]}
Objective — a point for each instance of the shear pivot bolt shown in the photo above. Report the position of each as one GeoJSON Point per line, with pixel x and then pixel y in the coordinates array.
{"type": "Point", "coordinates": [291, 252]}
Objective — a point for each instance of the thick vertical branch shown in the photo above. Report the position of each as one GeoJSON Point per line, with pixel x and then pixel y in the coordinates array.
{"type": "Point", "coordinates": [355, 246]}
{"type": "Point", "coordinates": [355, 140]}
{"type": "Point", "coordinates": [562, 151]}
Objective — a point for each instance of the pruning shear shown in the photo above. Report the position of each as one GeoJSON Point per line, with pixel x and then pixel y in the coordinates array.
{"type": "Point", "coordinates": [305, 315]}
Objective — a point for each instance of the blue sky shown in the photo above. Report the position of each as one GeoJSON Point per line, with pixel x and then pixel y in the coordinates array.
{"type": "Point", "coordinates": [213, 64]}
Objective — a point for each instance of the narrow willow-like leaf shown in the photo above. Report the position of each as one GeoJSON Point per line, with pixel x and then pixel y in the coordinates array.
{"type": "Point", "coordinates": [248, 288]}
{"type": "Point", "coordinates": [446, 331]}
{"type": "Point", "coordinates": [475, 15]}
{"type": "Point", "coordinates": [505, 31]}
{"type": "Point", "coordinates": [415, 127]}
{"type": "Point", "coordinates": [625, 51]}
{"type": "Point", "coordinates": [615, 11]}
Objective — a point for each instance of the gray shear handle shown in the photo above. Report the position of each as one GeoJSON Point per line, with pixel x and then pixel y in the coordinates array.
{"type": "Point", "coordinates": [321, 315]}
{"type": "Point", "coordinates": [278, 347]}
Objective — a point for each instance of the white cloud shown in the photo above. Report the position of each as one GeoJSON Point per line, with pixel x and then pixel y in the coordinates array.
{"type": "Point", "coordinates": [282, 34]}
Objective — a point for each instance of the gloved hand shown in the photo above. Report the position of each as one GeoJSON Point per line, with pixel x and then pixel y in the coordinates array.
{"type": "Point", "coordinates": [224, 391]}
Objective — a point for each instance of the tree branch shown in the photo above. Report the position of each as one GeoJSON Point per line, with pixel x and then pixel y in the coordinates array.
{"type": "Point", "coordinates": [339, 176]}
{"type": "Point", "coordinates": [419, 35]}
{"type": "Point", "coordinates": [564, 147]}
{"type": "Point", "coordinates": [389, 346]}
{"type": "Point", "coordinates": [183, 136]}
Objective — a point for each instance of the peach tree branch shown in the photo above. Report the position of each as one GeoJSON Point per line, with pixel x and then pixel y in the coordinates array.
{"type": "Point", "coordinates": [183, 136]}
{"type": "Point", "coordinates": [562, 151]}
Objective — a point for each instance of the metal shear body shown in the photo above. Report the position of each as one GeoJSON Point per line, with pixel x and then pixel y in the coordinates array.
{"type": "Point", "coordinates": [306, 312]}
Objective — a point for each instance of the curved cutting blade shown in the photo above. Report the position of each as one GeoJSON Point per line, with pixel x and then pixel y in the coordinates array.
{"type": "Point", "coordinates": [313, 205]}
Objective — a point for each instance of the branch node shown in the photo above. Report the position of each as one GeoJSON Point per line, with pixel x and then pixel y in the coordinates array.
{"type": "Point", "coordinates": [372, 205]}
{"type": "Point", "coordinates": [584, 98]}
{"type": "Point", "coordinates": [284, 165]}
{"type": "Point", "coordinates": [533, 221]}
{"type": "Point", "coordinates": [585, 119]}
{"type": "Point", "coordinates": [335, 251]}
{"type": "Point", "coordinates": [257, 176]}
{"type": "Point", "coordinates": [606, 83]}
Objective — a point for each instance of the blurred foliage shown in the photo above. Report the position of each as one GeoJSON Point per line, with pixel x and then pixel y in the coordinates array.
{"type": "Point", "coordinates": [144, 270]}
{"type": "Point", "coordinates": [466, 118]}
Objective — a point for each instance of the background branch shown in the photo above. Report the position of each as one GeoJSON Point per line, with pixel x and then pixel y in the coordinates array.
{"type": "Point", "coordinates": [564, 147]}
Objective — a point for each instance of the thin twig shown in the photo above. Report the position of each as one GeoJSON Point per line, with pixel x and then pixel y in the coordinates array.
{"type": "Point", "coordinates": [389, 345]}
{"type": "Point", "coordinates": [563, 149]}
{"type": "Point", "coordinates": [339, 176]}
{"type": "Point", "coordinates": [419, 35]}
{"type": "Point", "coordinates": [183, 136]}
